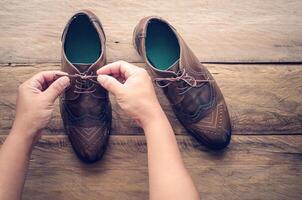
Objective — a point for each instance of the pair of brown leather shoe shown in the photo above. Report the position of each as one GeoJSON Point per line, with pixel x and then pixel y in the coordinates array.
{"type": "Point", "coordinates": [85, 107]}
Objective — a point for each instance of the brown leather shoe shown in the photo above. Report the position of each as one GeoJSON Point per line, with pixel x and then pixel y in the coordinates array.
{"type": "Point", "coordinates": [195, 97]}
{"type": "Point", "coordinates": [85, 106]}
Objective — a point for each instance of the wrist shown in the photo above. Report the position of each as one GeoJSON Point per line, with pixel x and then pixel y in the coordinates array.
{"type": "Point", "coordinates": [157, 117]}
{"type": "Point", "coordinates": [23, 133]}
{"type": "Point", "coordinates": [23, 145]}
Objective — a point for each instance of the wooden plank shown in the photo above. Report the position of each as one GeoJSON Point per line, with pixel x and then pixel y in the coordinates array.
{"type": "Point", "coordinates": [252, 167]}
{"type": "Point", "coordinates": [262, 99]}
{"type": "Point", "coordinates": [217, 31]}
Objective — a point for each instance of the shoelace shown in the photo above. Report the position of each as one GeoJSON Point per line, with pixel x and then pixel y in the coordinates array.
{"type": "Point", "coordinates": [84, 82]}
{"type": "Point", "coordinates": [181, 76]}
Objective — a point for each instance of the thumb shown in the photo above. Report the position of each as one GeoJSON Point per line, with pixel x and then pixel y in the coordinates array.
{"type": "Point", "coordinates": [57, 87]}
{"type": "Point", "coordinates": [110, 83]}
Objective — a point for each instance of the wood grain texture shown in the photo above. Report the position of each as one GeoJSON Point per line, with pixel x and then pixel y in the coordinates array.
{"type": "Point", "coordinates": [262, 99]}
{"type": "Point", "coordinates": [217, 31]}
{"type": "Point", "coordinates": [252, 167]}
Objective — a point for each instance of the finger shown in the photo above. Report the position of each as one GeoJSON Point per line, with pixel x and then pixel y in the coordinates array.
{"type": "Point", "coordinates": [43, 79]}
{"type": "Point", "coordinates": [56, 88]}
{"type": "Point", "coordinates": [110, 84]}
{"type": "Point", "coordinates": [119, 68]}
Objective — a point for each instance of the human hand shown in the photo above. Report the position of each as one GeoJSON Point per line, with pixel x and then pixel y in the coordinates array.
{"type": "Point", "coordinates": [133, 90]}
{"type": "Point", "coordinates": [35, 102]}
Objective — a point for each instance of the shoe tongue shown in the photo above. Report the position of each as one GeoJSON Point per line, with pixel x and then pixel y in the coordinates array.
{"type": "Point", "coordinates": [82, 67]}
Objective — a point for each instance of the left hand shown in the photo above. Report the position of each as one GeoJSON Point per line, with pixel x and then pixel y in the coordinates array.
{"type": "Point", "coordinates": [35, 102]}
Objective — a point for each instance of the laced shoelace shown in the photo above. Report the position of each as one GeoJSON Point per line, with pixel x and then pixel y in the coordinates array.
{"type": "Point", "coordinates": [84, 83]}
{"type": "Point", "coordinates": [181, 76]}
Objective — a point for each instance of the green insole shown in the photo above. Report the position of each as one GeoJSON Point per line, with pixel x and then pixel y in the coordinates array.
{"type": "Point", "coordinates": [82, 43]}
{"type": "Point", "coordinates": [162, 46]}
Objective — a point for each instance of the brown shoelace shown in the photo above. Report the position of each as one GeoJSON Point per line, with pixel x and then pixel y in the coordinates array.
{"type": "Point", "coordinates": [84, 82]}
{"type": "Point", "coordinates": [181, 76]}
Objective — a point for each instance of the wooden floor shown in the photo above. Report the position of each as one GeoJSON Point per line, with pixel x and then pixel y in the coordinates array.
{"type": "Point", "coordinates": [252, 48]}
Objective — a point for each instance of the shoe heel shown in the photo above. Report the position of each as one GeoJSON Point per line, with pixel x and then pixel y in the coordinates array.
{"type": "Point", "coordinates": [134, 38]}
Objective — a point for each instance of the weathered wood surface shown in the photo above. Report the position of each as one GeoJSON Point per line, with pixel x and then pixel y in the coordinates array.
{"type": "Point", "coordinates": [253, 167]}
{"type": "Point", "coordinates": [217, 31]}
{"type": "Point", "coordinates": [262, 99]}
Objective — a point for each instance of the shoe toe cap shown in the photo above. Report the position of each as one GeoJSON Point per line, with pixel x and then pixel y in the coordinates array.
{"type": "Point", "coordinates": [89, 143]}
{"type": "Point", "coordinates": [217, 139]}
{"type": "Point", "coordinates": [213, 138]}
{"type": "Point", "coordinates": [215, 129]}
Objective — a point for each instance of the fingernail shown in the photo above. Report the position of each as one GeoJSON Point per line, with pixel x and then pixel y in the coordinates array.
{"type": "Point", "coordinates": [63, 73]}
{"type": "Point", "coordinates": [65, 81]}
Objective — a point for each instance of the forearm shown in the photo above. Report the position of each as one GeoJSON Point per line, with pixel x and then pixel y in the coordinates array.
{"type": "Point", "coordinates": [168, 176]}
{"type": "Point", "coordinates": [14, 158]}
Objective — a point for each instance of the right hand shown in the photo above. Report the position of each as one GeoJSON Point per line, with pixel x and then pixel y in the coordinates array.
{"type": "Point", "coordinates": [133, 90]}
